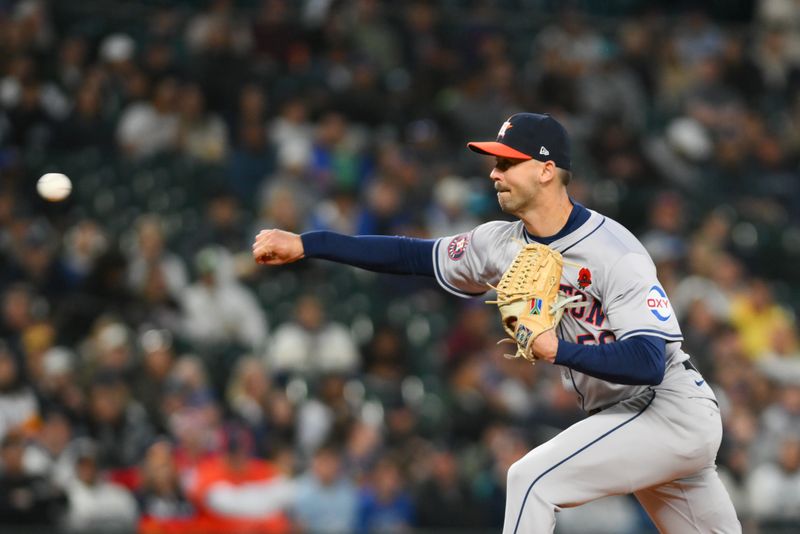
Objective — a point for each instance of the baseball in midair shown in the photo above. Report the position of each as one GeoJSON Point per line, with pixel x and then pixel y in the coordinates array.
{"type": "Point", "coordinates": [54, 186]}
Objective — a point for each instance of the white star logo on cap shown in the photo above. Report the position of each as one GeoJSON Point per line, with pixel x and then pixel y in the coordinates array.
{"type": "Point", "coordinates": [506, 125]}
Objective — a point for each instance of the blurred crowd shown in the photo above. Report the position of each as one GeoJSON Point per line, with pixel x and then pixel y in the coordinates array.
{"type": "Point", "coordinates": [153, 379]}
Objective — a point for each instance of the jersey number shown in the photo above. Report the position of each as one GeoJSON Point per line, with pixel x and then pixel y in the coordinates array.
{"type": "Point", "coordinates": [606, 336]}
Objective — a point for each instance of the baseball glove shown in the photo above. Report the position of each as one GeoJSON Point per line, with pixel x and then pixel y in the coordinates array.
{"type": "Point", "coordinates": [529, 299]}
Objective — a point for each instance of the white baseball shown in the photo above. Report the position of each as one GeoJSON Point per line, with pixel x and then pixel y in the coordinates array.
{"type": "Point", "coordinates": [54, 186]}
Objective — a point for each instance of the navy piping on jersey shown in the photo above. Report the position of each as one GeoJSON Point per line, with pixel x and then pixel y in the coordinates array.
{"type": "Point", "coordinates": [584, 237]}
{"type": "Point", "coordinates": [577, 217]}
{"type": "Point", "coordinates": [651, 331]}
{"type": "Point", "coordinates": [439, 278]}
{"type": "Point", "coordinates": [524, 500]}
{"type": "Point", "coordinates": [574, 385]}
{"type": "Point", "coordinates": [583, 399]}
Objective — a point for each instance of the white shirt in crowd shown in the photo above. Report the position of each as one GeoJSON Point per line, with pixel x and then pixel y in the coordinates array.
{"type": "Point", "coordinates": [329, 349]}
{"type": "Point", "coordinates": [101, 507]}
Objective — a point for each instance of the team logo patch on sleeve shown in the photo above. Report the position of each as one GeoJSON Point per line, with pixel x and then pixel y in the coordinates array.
{"type": "Point", "coordinates": [584, 278]}
{"type": "Point", "coordinates": [658, 303]}
{"type": "Point", "coordinates": [458, 246]}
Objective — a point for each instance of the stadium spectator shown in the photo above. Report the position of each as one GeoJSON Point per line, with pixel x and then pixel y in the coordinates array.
{"type": "Point", "coordinates": [35, 261]}
{"type": "Point", "coordinates": [292, 134]}
{"type": "Point", "coordinates": [152, 377]}
{"type": "Point", "coordinates": [149, 253]}
{"type": "Point", "coordinates": [337, 213]}
{"type": "Point", "coordinates": [93, 502]}
{"type": "Point", "coordinates": [444, 500]}
{"type": "Point", "coordinates": [218, 23]}
{"type": "Point", "coordinates": [192, 416]}
{"type": "Point", "coordinates": [32, 107]}
{"type": "Point", "coordinates": [470, 333]}
{"type": "Point", "coordinates": [251, 107]}
{"type": "Point", "coordinates": [201, 134]}
{"type": "Point", "coordinates": [328, 415]}
{"type": "Point", "coordinates": [48, 454]}
{"type": "Point", "coordinates": [251, 397]}
{"type": "Point", "coordinates": [223, 224]}
{"type": "Point", "coordinates": [471, 408]}
{"type": "Point", "coordinates": [382, 212]}
{"type": "Point", "coordinates": [733, 474]}
{"type": "Point", "coordinates": [384, 504]}
{"type": "Point", "coordinates": [326, 499]}
{"type": "Point", "coordinates": [148, 128]}
{"type": "Point", "coordinates": [83, 243]}
{"type": "Point", "coordinates": [337, 155]}
{"type": "Point", "coordinates": [236, 491]}
{"type": "Point", "coordinates": [86, 125]}
{"type": "Point", "coordinates": [250, 162]}
{"type": "Point", "coordinates": [281, 202]}
{"type": "Point", "coordinates": [118, 425]}
{"type": "Point", "coordinates": [312, 344]}
{"type": "Point", "coordinates": [773, 486]}
{"type": "Point", "coordinates": [450, 213]}
{"type": "Point", "coordinates": [778, 421]}
{"type": "Point", "coordinates": [218, 310]}
{"type": "Point", "coordinates": [757, 316]}
{"type": "Point", "coordinates": [25, 499]}
{"type": "Point", "coordinates": [363, 446]}
{"type": "Point", "coordinates": [108, 349]}
{"type": "Point", "coordinates": [58, 387]}
{"type": "Point", "coordinates": [781, 362]}
{"type": "Point", "coordinates": [385, 357]}
{"type": "Point", "coordinates": [160, 494]}
{"type": "Point", "coordinates": [19, 408]}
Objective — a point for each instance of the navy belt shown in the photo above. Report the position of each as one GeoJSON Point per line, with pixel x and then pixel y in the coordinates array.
{"type": "Point", "coordinates": [689, 366]}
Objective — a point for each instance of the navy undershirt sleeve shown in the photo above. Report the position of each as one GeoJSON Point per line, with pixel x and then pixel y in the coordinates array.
{"type": "Point", "coordinates": [384, 254]}
{"type": "Point", "coordinates": [638, 360]}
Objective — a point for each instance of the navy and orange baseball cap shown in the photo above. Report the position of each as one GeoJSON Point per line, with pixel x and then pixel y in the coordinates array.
{"type": "Point", "coordinates": [529, 136]}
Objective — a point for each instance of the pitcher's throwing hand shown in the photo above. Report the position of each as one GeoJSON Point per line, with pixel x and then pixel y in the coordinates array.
{"type": "Point", "coordinates": [277, 247]}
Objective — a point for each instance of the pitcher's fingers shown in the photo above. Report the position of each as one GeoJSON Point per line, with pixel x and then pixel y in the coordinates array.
{"type": "Point", "coordinates": [272, 259]}
{"type": "Point", "coordinates": [262, 246]}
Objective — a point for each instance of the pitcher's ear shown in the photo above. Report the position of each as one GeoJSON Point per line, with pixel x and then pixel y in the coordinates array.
{"type": "Point", "coordinates": [549, 171]}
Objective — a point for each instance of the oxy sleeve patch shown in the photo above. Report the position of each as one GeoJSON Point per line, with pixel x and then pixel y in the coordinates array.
{"type": "Point", "coordinates": [658, 303]}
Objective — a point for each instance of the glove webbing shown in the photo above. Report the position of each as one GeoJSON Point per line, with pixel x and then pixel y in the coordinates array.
{"type": "Point", "coordinates": [562, 304]}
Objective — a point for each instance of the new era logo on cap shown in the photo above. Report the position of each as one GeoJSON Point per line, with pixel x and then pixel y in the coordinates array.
{"type": "Point", "coordinates": [529, 136]}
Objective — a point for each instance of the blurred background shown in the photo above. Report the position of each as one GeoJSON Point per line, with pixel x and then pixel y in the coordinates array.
{"type": "Point", "coordinates": [154, 379]}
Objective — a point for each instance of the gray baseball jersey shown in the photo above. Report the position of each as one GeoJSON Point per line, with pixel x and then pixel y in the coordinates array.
{"type": "Point", "coordinates": [617, 282]}
{"type": "Point", "coordinates": [657, 442]}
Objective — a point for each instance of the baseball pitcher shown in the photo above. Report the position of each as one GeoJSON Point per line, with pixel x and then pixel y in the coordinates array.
{"type": "Point", "coordinates": [575, 289]}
